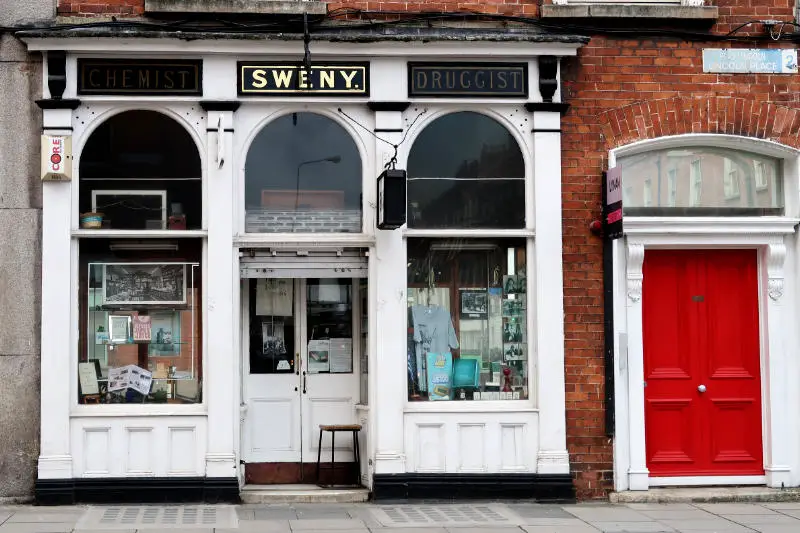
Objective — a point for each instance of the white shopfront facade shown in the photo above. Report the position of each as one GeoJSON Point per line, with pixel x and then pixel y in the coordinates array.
{"type": "Point", "coordinates": [201, 447]}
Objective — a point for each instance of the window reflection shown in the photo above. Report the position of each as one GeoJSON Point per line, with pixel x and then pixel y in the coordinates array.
{"type": "Point", "coordinates": [303, 174]}
{"type": "Point", "coordinates": [701, 181]}
{"type": "Point", "coordinates": [465, 170]}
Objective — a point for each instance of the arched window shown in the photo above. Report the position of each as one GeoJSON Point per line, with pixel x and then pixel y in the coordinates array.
{"type": "Point", "coordinates": [701, 180]}
{"type": "Point", "coordinates": [303, 174]}
{"type": "Point", "coordinates": [467, 295]}
{"type": "Point", "coordinates": [141, 170]}
{"type": "Point", "coordinates": [465, 170]}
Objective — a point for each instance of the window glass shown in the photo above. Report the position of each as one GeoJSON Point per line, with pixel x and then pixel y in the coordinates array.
{"type": "Point", "coordinates": [467, 308]}
{"type": "Point", "coordinates": [699, 181]}
{"type": "Point", "coordinates": [140, 170]}
{"type": "Point", "coordinates": [140, 341]}
{"type": "Point", "coordinates": [303, 174]}
{"type": "Point", "coordinates": [465, 170]}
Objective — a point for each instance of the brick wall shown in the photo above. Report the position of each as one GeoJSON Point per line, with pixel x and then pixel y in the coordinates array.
{"type": "Point", "coordinates": [312, 221]}
{"type": "Point", "coordinates": [622, 91]}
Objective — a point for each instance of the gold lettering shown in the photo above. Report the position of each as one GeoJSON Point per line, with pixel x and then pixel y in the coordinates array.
{"type": "Point", "coordinates": [168, 81]}
{"type": "Point", "coordinates": [515, 75]}
{"type": "Point", "coordinates": [183, 74]}
{"type": "Point", "coordinates": [282, 78]}
{"type": "Point", "coordinates": [465, 83]}
{"type": "Point", "coordinates": [450, 79]}
{"type": "Point", "coordinates": [302, 82]}
{"type": "Point", "coordinates": [503, 79]}
{"type": "Point", "coordinates": [422, 80]}
{"type": "Point", "coordinates": [327, 78]}
{"type": "Point", "coordinates": [479, 81]}
{"type": "Point", "coordinates": [111, 78]}
{"type": "Point", "coordinates": [437, 80]}
{"type": "Point", "coordinates": [92, 81]}
{"type": "Point", "coordinates": [348, 80]}
{"type": "Point", "coordinates": [144, 79]}
{"type": "Point", "coordinates": [126, 78]}
{"type": "Point", "coordinates": [259, 79]}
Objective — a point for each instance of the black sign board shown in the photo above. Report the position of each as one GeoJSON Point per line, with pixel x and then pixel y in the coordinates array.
{"type": "Point", "coordinates": [391, 199]}
{"type": "Point", "coordinates": [612, 203]}
{"type": "Point", "coordinates": [494, 80]}
{"type": "Point", "coordinates": [288, 79]}
{"type": "Point", "coordinates": [152, 77]}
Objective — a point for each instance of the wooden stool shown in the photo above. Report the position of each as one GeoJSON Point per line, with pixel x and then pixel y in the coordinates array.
{"type": "Point", "coordinates": [354, 429]}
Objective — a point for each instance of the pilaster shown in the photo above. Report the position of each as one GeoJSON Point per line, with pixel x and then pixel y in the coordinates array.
{"type": "Point", "coordinates": [637, 473]}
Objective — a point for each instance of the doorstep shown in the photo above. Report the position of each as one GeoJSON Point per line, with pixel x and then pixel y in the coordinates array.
{"type": "Point", "coordinates": [301, 494]}
{"type": "Point", "coordinates": [706, 494]}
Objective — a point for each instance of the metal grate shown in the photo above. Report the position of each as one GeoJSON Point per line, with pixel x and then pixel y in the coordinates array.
{"type": "Point", "coordinates": [416, 515]}
{"type": "Point", "coordinates": [159, 517]}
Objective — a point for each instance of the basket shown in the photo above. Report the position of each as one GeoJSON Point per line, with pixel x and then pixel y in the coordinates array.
{"type": "Point", "coordinates": [91, 220]}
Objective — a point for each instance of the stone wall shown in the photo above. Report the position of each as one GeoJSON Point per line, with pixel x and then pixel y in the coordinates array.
{"type": "Point", "coordinates": [20, 251]}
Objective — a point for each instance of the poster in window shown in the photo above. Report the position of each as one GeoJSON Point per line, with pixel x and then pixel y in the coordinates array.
{"type": "Point", "coordinates": [164, 340]}
{"type": "Point", "coordinates": [319, 356]}
{"type": "Point", "coordinates": [515, 351]}
{"type": "Point", "coordinates": [514, 284]}
{"type": "Point", "coordinates": [141, 328]}
{"type": "Point", "coordinates": [119, 327]}
{"type": "Point", "coordinates": [144, 284]}
{"type": "Point", "coordinates": [273, 339]}
{"type": "Point", "coordinates": [514, 329]}
{"type": "Point", "coordinates": [474, 303]}
{"type": "Point", "coordinates": [513, 306]}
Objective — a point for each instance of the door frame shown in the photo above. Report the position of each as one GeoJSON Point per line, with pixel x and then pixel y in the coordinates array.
{"type": "Point", "coordinates": [767, 236]}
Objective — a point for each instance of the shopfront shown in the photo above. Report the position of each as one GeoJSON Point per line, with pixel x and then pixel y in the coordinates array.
{"type": "Point", "coordinates": [215, 285]}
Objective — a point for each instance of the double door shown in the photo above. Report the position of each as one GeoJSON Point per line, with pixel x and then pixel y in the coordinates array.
{"type": "Point", "coordinates": [702, 363]}
{"type": "Point", "coordinates": [300, 371]}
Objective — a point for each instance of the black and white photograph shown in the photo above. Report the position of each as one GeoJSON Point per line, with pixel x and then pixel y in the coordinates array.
{"type": "Point", "coordinates": [144, 283]}
{"type": "Point", "coordinates": [513, 307]}
{"type": "Point", "coordinates": [474, 303]}
{"type": "Point", "coordinates": [164, 335]}
{"type": "Point", "coordinates": [274, 343]}
{"type": "Point", "coordinates": [514, 352]}
{"type": "Point", "coordinates": [513, 329]}
{"type": "Point", "coordinates": [514, 284]}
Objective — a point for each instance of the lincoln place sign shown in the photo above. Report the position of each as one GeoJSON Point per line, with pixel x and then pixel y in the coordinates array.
{"type": "Point", "coordinates": [151, 77]}
{"type": "Point", "coordinates": [491, 80]}
{"type": "Point", "coordinates": [288, 79]}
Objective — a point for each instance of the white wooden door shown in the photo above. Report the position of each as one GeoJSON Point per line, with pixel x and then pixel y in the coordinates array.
{"type": "Point", "coordinates": [300, 369]}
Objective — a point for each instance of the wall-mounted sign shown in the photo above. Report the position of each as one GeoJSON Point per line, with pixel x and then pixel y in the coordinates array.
{"type": "Point", "coordinates": [391, 199]}
{"type": "Point", "coordinates": [468, 80]}
{"type": "Point", "coordinates": [56, 158]}
{"type": "Point", "coordinates": [287, 79]}
{"type": "Point", "coordinates": [612, 203]}
{"type": "Point", "coordinates": [743, 60]}
{"type": "Point", "coordinates": [151, 77]}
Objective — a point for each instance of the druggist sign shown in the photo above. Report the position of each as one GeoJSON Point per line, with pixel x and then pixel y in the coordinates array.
{"type": "Point", "coordinates": [612, 203]}
{"type": "Point", "coordinates": [56, 158]}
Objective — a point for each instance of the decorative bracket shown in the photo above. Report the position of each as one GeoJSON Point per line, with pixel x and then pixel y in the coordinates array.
{"type": "Point", "coordinates": [634, 273]}
{"type": "Point", "coordinates": [776, 256]}
{"type": "Point", "coordinates": [548, 77]}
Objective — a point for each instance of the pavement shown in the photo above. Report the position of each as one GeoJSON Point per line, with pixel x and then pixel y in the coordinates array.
{"type": "Point", "coordinates": [461, 517]}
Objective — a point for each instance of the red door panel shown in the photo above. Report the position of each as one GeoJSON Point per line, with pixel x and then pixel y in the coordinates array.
{"type": "Point", "coordinates": [700, 327]}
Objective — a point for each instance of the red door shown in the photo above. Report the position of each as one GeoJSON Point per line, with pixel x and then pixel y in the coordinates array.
{"type": "Point", "coordinates": [701, 363]}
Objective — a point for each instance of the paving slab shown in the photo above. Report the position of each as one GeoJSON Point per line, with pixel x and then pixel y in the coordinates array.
{"type": "Point", "coordinates": [632, 527]}
{"type": "Point", "coordinates": [36, 527]}
{"type": "Point", "coordinates": [661, 506]}
{"type": "Point", "coordinates": [768, 519]}
{"type": "Point", "coordinates": [32, 517]}
{"type": "Point", "coordinates": [563, 522]}
{"type": "Point", "coordinates": [274, 514]}
{"type": "Point", "coordinates": [256, 526]}
{"type": "Point", "coordinates": [775, 529]}
{"type": "Point", "coordinates": [782, 505]}
{"type": "Point", "coordinates": [714, 525]}
{"type": "Point", "coordinates": [735, 508]}
{"type": "Point", "coordinates": [678, 514]}
{"type": "Point", "coordinates": [409, 530]}
{"type": "Point", "coordinates": [346, 524]}
{"type": "Point", "coordinates": [558, 529]}
{"type": "Point", "coordinates": [534, 510]}
{"type": "Point", "coordinates": [608, 513]}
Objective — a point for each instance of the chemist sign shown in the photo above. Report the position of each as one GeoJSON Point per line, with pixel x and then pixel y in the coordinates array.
{"type": "Point", "coordinates": [612, 203]}
{"type": "Point", "coordinates": [56, 158]}
{"type": "Point", "coordinates": [745, 60]}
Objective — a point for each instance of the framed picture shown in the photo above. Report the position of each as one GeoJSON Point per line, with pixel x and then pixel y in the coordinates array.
{"type": "Point", "coordinates": [165, 334]}
{"type": "Point", "coordinates": [514, 351]}
{"type": "Point", "coordinates": [144, 284]}
{"type": "Point", "coordinates": [474, 303]}
{"type": "Point", "coordinates": [515, 284]}
{"type": "Point", "coordinates": [119, 328]}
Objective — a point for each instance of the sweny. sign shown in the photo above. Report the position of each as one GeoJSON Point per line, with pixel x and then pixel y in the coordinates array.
{"type": "Point", "coordinates": [296, 80]}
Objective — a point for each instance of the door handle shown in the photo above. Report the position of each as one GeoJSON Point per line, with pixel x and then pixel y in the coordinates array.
{"type": "Point", "coordinates": [304, 381]}
{"type": "Point", "coordinates": [701, 388]}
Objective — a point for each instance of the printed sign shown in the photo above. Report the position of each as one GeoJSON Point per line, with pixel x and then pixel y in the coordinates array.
{"type": "Point", "coordinates": [743, 60]}
{"type": "Point", "coordinates": [440, 375]}
{"type": "Point", "coordinates": [296, 80]}
{"type": "Point", "coordinates": [612, 203]}
{"type": "Point", "coordinates": [56, 158]}
{"type": "Point", "coordinates": [151, 77]}
{"type": "Point", "coordinates": [468, 79]}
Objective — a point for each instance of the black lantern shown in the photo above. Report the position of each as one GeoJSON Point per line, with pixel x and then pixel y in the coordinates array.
{"type": "Point", "coordinates": [391, 199]}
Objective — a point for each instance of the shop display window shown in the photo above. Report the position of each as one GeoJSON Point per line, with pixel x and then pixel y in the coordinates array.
{"type": "Point", "coordinates": [467, 319]}
{"type": "Point", "coordinates": [466, 170]}
{"type": "Point", "coordinates": [140, 170]}
{"type": "Point", "coordinates": [141, 321]}
{"type": "Point", "coordinates": [303, 175]}
{"type": "Point", "coordinates": [701, 181]}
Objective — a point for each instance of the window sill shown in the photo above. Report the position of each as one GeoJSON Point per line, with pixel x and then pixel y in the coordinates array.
{"type": "Point", "coordinates": [239, 7]}
{"type": "Point", "coordinates": [489, 406]}
{"type": "Point", "coordinates": [142, 234]}
{"type": "Point", "coordinates": [137, 410]}
{"type": "Point", "coordinates": [620, 11]}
